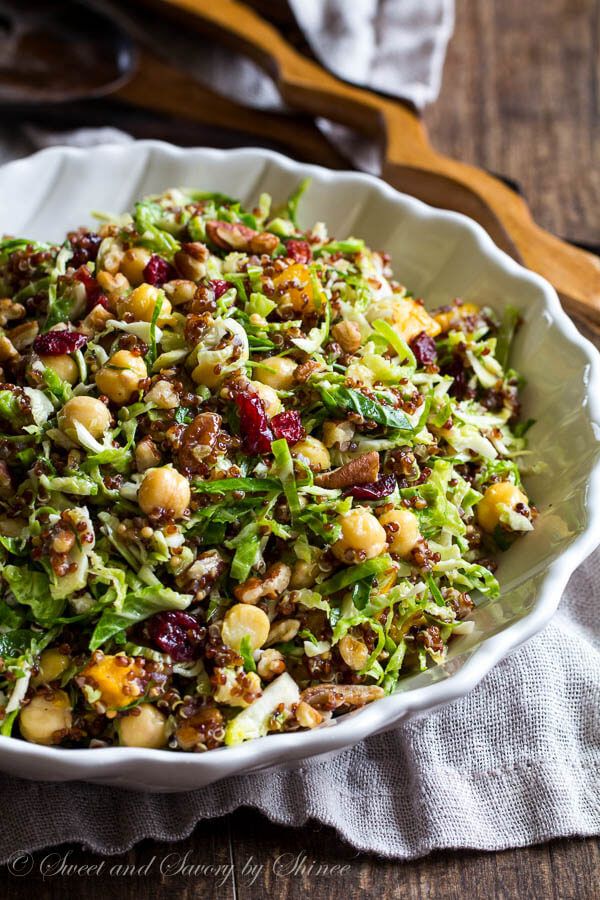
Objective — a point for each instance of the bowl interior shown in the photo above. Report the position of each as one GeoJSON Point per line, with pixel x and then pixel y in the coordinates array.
{"type": "Point", "coordinates": [439, 256]}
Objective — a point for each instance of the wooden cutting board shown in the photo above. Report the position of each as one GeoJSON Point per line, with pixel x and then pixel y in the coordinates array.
{"type": "Point", "coordinates": [410, 163]}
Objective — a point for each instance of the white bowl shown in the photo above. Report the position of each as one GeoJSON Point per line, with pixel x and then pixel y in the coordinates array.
{"type": "Point", "coordinates": [439, 255]}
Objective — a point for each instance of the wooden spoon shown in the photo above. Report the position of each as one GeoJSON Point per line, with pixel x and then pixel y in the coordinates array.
{"type": "Point", "coordinates": [410, 163]}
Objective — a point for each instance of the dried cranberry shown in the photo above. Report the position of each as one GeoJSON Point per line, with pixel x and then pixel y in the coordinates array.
{"type": "Point", "coordinates": [288, 425]}
{"type": "Point", "coordinates": [383, 487]}
{"type": "Point", "coordinates": [85, 247]}
{"type": "Point", "coordinates": [157, 270]}
{"type": "Point", "coordinates": [219, 287]}
{"type": "Point", "coordinates": [424, 349]}
{"type": "Point", "coordinates": [300, 251]}
{"type": "Point", "coordinates": [55, 343]}
{"type": "Point", "coordinates": [459, 387]}
{"type": "Point", "coordinates": [176, 633]}
{"type": "Point", "coordinates": [254, 424]}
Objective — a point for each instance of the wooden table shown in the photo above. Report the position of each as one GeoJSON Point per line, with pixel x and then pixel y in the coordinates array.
{"type": "Point", "coordinates": [520, 97]}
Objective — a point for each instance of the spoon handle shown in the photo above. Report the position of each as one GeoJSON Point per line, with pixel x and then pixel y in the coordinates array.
{"type": "Point", "coordinates": [410, 162]}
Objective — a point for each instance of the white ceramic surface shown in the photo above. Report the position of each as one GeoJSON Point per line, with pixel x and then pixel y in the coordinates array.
{"type": "Point", "coordinates": [439, 255]}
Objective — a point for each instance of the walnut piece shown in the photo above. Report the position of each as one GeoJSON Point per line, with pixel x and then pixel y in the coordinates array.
{"type": "Point", "coordinates": [275, 581]}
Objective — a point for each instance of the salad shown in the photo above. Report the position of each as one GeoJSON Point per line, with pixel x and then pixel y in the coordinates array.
{"type": "Point", "coordinates": [247, 481]}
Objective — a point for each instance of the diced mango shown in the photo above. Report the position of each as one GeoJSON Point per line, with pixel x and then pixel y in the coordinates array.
{"type": "Point", "coordinates": [118, 684]}
{"type": "Point", "coordinates": [410, 318]}
{"type": "Point", "coordinates": [447, 318]}
{"type": "Point", "coordinates": [293, 288]}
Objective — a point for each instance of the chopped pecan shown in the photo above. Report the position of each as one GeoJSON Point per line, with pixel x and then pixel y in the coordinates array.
{"type": "Point", "coordinates": [307, 716]}
{"type": "Point", "coordinates": [332, 696]}
{"type": "Point", "coordinates": [362, 470]}
{"type": "Point", "coordinates": [190, 261]}
{"type": "Point", "coordinates": [200, 577]}
{"type": "Point", "coordinates": [265, 242]}
{"type": "Point", "coordinates": [8, 351]}
{"type": "Point", "coordinates": [199, 439]}
{"type": "Point", "coordinates": [23, 336]}
{"type": "Point", "coordinates": [195, 326]}
{"type": "Point", "coordinates": [347, 334]}
{"type": "Point", "coordinates": [276, 579]}
{"type": "Point", "coordinates": [197, 250]}
{"type": "Point", "coordinates": [283, 631]}
{"type": "Point", "coordinates": [163, 395]}
{"type": "Point", "coordinates": [270, 664]}
{"type": "Point", "coordinates": [96, 320]}
{"type": "Point", "coordinates": [10, 311]}
{"type": "Point", "coordinates": [180, 291]}
{"type": "Point", "coordinates": [306, 369]}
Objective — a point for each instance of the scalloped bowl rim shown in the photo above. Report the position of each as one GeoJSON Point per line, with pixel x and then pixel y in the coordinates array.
{"type": "Point", "coordinates": [117, 764]}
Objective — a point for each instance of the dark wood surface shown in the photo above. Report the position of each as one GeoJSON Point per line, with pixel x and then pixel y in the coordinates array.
{"type": "Point", "coordinates": [521, 98]}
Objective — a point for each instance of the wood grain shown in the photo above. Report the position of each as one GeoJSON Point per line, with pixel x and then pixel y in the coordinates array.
{"type": "Point", "coordinates": [410, 162]}
{"type": "Point", "coordinates": [520, 97]}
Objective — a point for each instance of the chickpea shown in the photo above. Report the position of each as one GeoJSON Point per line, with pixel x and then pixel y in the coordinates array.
{"type": "Point", "coordinates": [142, 302]}
{"type": "Point", "coordinates": [354, 652]}
{"type": "Point", "coordinates": [293, 287]}
{"type": "Point", "coordinates": [404, 531]}
{"type": "Point", "coordinates": [164, 488]}
{"type": "Point", "coordinates": [44, 716]}
{"type": "Point", "coordinates": [51, 665]}
{"type": "Point", "coordinates": [268, 395]}
{"type": "Point", "coordinates": [119, 378]}
{"type": "Point", "coordinates": [205, 374]}
{"type": "Point", "coordinates": [498, 494]}
{"type": "Point", "coordinates": [362, 536]}
{"type": "Point", "coordinates": [243, 620]}
{"type": "Point", "coordinates": [278, 372]}
{"type": "Point", "coordinates": [133, 264]}
{"type": "Point", "coordinates": [147, 727]}
{"type": "Point", "coordinates": [314, 452]}
{"type": "Point", "coordinates": [89, 412]}
{"type": "Point", "coordinates": [64, 366]}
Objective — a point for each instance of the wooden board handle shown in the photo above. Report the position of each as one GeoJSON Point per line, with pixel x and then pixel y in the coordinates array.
{"type": "Point", "coordinates": [410, 162]}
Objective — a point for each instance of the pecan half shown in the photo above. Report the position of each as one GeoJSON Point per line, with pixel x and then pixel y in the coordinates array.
{"type": "Point", "coordinates": [235, 236]}
{"type": "Point", "coordinates": [362, 470]}
{"type": "Point", "coordinates": [332, 696]}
